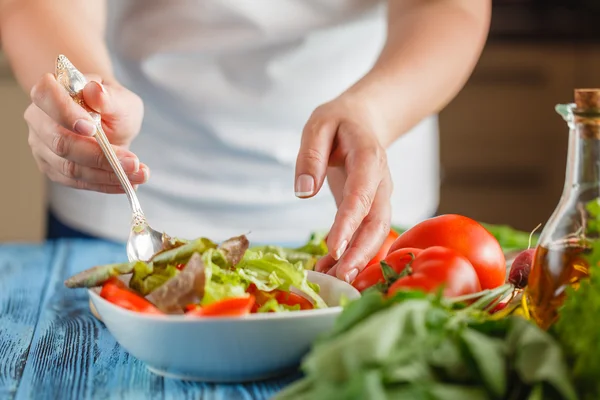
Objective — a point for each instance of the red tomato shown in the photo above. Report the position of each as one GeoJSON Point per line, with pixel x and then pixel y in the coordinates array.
{"type": "Point", "coordinates": [373, 274]}
{"type": "Point", "coordinates": [464, 235]}
{"type": "Point", "coordinates": [292, 299]}
{"type": "Point", "coordinates": [434, 267]}
{"type": "Point", "coordinates": [282, 297]}
{"type": "Point", "coordinates": [115, 291]}
{"type": "Point", "coordinates": [234, 306]}
{"type": "Point", "coordinates": [385, 248]}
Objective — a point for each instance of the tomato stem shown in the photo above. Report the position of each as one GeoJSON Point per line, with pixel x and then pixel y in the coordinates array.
{"type": "Point", "coordinates": [388, 272]}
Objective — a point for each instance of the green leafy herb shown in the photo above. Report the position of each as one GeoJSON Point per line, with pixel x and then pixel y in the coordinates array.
{"type": "Point", "coordinates": [418, 346]}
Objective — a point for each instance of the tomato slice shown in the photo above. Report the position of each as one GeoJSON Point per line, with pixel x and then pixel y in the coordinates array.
{"type": "Point", "coordinates": [282, 297]}
{"type": "Point", "coordinates": [233, 306]}
{"type": "Point", "coordinates": [116, 292]}
{"type": "Point", "coordinates": [292, 299]}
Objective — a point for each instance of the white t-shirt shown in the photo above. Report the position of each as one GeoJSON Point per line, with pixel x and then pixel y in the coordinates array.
{"type": "Point", "coordinates": [227, 87]}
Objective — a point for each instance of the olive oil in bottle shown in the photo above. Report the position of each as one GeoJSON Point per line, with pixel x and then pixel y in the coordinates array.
{"type": "Point", "coordinates": [560, 258]}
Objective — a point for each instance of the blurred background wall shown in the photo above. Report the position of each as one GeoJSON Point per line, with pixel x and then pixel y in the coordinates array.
{"type": "Point", "coordinates": [503, 148]}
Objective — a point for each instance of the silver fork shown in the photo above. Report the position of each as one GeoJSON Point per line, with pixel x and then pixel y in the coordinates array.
{"type": "Point", "coordinates": [143, 241]}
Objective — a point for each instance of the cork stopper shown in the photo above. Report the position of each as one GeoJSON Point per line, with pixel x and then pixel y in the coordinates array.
{"type": "Point", "coordinates": [587, 113]}
{"type": "Point", "coordinates": [587, 99]}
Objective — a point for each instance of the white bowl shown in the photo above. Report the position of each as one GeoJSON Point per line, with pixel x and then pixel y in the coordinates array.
{"type": "Point", "coordinates": [224, 349]}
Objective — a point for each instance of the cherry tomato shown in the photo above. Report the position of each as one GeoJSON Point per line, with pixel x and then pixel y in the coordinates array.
{"type": "Point", "coordinates": [115, 291]}
{"type": "Point", "coordinates": [180, 266]}
{"type": "Point", "coordinates": [373, 273]}
{"type": "Point", "coordinates": [434, 267]}
{"type": "Point", "coordinates": [233, 306]}
{"type": "Point", "coordinates": [464, 235]}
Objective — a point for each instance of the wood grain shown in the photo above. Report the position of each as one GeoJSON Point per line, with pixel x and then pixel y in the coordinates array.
{"type": "Point", "coordinates": [24, 271]}
{"type": "Point", "coordinates": [71, 355]}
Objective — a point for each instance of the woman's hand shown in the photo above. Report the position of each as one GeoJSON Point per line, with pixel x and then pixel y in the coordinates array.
{"type": "Point", "coordinates": [60, 134]}
{"type": "Point", "coordinates": [341, 141]}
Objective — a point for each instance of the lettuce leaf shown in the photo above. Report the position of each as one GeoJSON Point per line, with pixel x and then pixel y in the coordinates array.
{"type": "Point", "coordinates": [272, 305]}
{"type": "Point", "coordinates": [146, 278]}
{"type": "Point", "coordinates": [221, 283]}
{"type": "Point", "coordinates": [269, 271]}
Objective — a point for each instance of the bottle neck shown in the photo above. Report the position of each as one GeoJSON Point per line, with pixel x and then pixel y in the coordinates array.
{"type": "Point", "coordinates": [583, 162]}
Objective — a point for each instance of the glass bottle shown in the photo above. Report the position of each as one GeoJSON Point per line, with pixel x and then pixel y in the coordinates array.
{"type": "Point", "coordinates": [560, 257]}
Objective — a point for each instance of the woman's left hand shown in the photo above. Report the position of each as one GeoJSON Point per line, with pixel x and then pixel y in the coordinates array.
{"type": "Point", "coordinates": [341, 140]}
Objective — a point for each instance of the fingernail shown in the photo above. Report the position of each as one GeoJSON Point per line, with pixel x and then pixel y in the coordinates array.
{"type": "Point", "coordinates": [305, 185]}
{"type": "Point", "coordinates": [351, 276]}
{"type": "Point", "coordinates": [131, 164]}
{"type": "Point", "coordinates": [146, 172]}
{"type": "Point", "coordinates": [340, 250]}
{"type": "Point", "coordinates": [84, 127]}
{"type": "Point", "coordinates": [101, 87]}
{"type": "Point", "coordinates": [140, 176]}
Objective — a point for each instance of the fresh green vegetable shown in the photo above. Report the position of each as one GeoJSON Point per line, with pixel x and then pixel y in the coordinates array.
{"type": "Point", "coordinates": [146, 278]}
{"type": "Point", "coordinates": [183, 252]}
{"type": "Point", "coordinates": [578, 330]}
{"type": "Point", "coordinates": [307, 254]}
{"type": "Point", "coordinates": [221, 282]}
{"type": "Point", "coordinates": [269, 271]}
{"type": "Point", "coordinates": [511, 239]}
{"type": "Point", "coordinates": [417, 346]}
{"type": "Point", "coordinates": [97, 275]}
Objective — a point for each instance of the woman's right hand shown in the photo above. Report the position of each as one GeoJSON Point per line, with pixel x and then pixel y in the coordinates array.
{"type": "Point", "coordinates": [60, 134]}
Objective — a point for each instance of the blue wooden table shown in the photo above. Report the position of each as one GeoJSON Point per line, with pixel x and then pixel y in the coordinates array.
{"type": "Point", "coordinates": [51, 347]}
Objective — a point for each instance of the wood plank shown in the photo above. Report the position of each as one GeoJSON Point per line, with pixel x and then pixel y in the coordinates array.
{"type": "Point", "coordinates": [73, 356]}
{"type": "Point", "coordinates": [24, 270]}
{"type": "Point", "coordinates": [175, 390]}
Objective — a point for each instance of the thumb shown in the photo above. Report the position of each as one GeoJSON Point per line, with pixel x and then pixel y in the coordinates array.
{"type": "Point", "coordinates": [97, 98]}
{"type": "Point", "coordinates": [122, 110]}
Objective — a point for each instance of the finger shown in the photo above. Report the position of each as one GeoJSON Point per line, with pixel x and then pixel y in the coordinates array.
{"type": "Point", "coordinates": [325, 263]}
{"type": "Point", "coordinates": [121, 109]}
{"type": "Point", "coordinates": [97, 98]}
{"type": "Point", "coordinates": [55, 101]}
{"type": "Point", "coordinates": [78, 172]}
{"type": "Point", "coordinates": [84, 151]}
{"type": "Point", "coordinates": [369, 237]}
{"type": "Point", "coordinates": [313, 156]}
{"type": "Point", "coordinates": [364, 168]}
{"type": "Point", "coordinates": [63, 180]}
